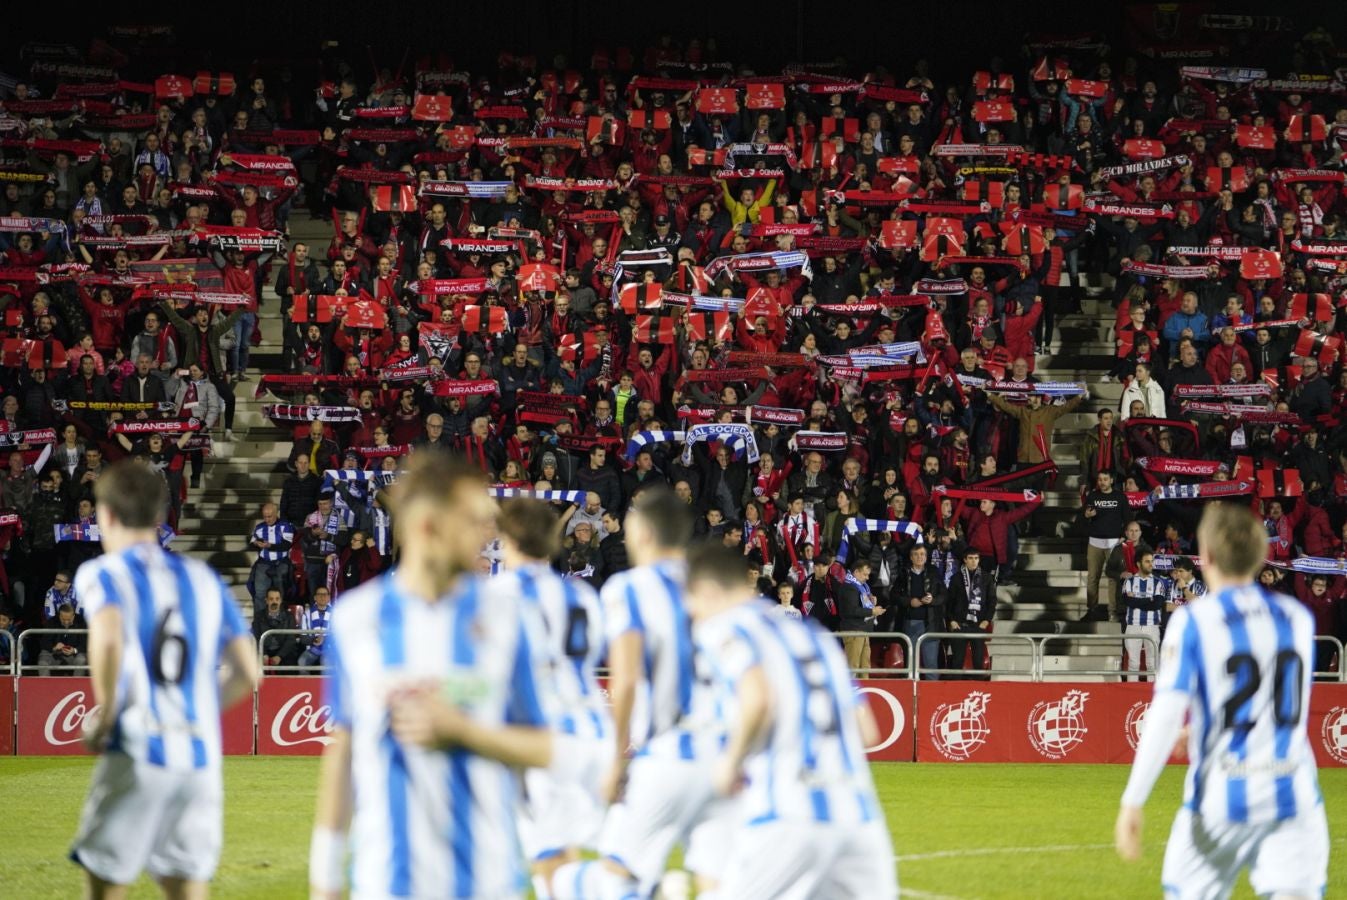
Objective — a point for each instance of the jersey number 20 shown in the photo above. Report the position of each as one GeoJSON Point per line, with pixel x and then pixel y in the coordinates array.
{"type": "Point", "coordinates": [1288, 671]}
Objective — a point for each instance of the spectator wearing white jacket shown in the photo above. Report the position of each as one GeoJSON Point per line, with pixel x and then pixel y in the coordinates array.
{"type": "Point", "coordinates": [198, 397]}
{"type": "Point", "coordinates": [1148, 391]}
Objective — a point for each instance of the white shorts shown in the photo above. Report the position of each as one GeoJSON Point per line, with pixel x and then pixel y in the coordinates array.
{"type": "Point", "coordinates": [665, 804]}
{"type": "Point", "coordinates": [556, 814]}
{"type": "Point", "coordinates": [794, 860]}
{"type": "Point", "coordinates": [1203, 861]}
{"type": "Point", "coordinates": [139, 817]}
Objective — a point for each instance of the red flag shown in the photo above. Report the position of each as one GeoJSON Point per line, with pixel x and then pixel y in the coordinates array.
{"type": "Point", "coordinates": [765, 96]}
{"type": "Point", "coordinates": [484, 318]}
{"type": "Point", "coordinates": [994, 111]}
{"type": "Point", "coordinates": [850, 128]}
{"type": "Point", "coordinates": [1080, 87]}
{"type": "Point", "coordinates": [936, 244]}
{"type": "Point", "coordinates": [220, 84]}
{"type": "Point", "coordinates": [316, 308]}
{"type": "Point", "coordinates": [1315, 307]}
{"type": "Point", "coordinates": [653, 330]}
{"type": "Point", "coordinates": [1256, 137]}
{"type": "Point", "coordinates": [975, 190]}
{"type": "Point", "coordinates": [709, 326]}
{"type": "Point", "coordinates": [1022, 238]}
{"type": "Point", "coordinates": [1051, 70]}
{"type": "Point", "coordinates": [717, 101]}
{"type": "Point", "coordinates": [1236, 178]}
{"type": "Point", "coordinates": [172, 87]}
{"type": "Point", "coordinates": [1307, 129]}
{"type": "Point", "coordinates": [899, 165]}
{"type": "Point", "coordinates": [1323, 347]}
{"type": "Point", "coordinates": [433, 108]}
{"type": "Point", "coordinates": [896, 235]}
{"type": "Point", "coordinates": [608, 131]}
{"type": "Point", "coordinates": [1143, 148]}
{"type": "Point", "coordinates": [1260, 264]}
{"type": "Point", "coordinates": [660, 120]}
{"type": "Point", "coordinates": [365, 314]}
{"type": "Point", "coordinates": [636, 297]}
{"type": "Point", "coordinates": [1279, 482]}
{"type": "Point", "coordinates": [1057, 197]}
{"type": "Point", "coordinates": [21, 353]}
{"type": "Point", "coordinates": [461, 137]}
{"type": "Point", "coordinates": [538, 277]}
{"type": "Point", "coordinates": [394, 198]}
{"type": "Point", "coordinates": [985, 81]}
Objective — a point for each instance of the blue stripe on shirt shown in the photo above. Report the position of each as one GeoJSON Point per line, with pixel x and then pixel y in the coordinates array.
{"type": "Point", "coordinates": [465, 609]}
{"type": "Point", "coordinates": [1236, 788]}
{"type": "Point", "coordinates": [187, 605]}
{"type": "Point", "coordinates": [392, 648]}
{"type": "Point", "coordinates": [146, 625]}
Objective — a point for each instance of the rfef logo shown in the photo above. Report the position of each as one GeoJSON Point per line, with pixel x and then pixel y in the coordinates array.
{"type": "Point", "coordinates": [1056, 727]}
{"type": "Point", "coordinates": [958, 730]}
{"type": "Point", "coordinates": [1135, 721]}
{"type": "Point", "coordinates": [1334, 733]}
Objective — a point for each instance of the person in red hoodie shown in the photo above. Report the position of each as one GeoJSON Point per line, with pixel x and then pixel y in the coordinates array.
{"type": "Point", "coordinates": [1225, 354]}
{"type": "Point", "coordinates": [986, 529]}
{"type": "Point", "coordinates": [241, 276]}
{"type": "Point", "coordinates": [107, 318]}
{"type": "Point", "coordinates": [1019, 327]}
{"type": "Point", "coordinates": [1324, 600]}
{"type": "Point", "coordinates": [765, 335]}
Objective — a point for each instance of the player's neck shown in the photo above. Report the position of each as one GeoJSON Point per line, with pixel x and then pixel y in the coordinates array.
{"type": "Point", "coordinates": [115, 540]}
{"type": "Point", "coordinates": [1216, 582]}
{"type": "Point", "coordinates": [425, 582]}
{"type": "Point", "coordinates": [653, 557]}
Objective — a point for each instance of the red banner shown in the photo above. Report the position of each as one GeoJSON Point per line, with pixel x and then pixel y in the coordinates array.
{"type": "Point", "coordinates": [52, 713]}
{"type": "Point", "coordinates": [1328, 724]}
{"type": "Point", "coordinates": [891, 703]}
{"type": "Point", "coordinates": [291, 717]}
{"type": "Point", "coordinates": [6, 715]}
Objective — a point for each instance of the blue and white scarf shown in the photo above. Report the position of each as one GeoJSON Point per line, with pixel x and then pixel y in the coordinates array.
{"type": "Point", "coordinates": [645, 438]}
{"type": "Point", "coordinates": [561, 496]}
{"type": "Point", "coordinates": [734, 434]}
{"type": "Point", "coordinates": [892, 526]}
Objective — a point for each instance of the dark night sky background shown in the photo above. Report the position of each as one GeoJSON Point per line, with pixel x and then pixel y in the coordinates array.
{"type": "Point", "coordinates": [956, 36]}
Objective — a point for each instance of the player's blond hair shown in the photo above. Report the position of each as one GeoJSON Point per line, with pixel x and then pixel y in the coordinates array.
{"type": "Point", "coordinates": [1232, 539]}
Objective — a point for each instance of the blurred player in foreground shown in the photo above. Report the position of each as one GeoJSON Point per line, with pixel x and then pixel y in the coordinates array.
{"type": "Point", "coordinates": [1237, 662]}
{"type": "Point", "coordinates": [663, 739]}
{"type": "Point", "coordinates": [807, 821]}
{"type": "Point", "coordinates": [564, 623]}
{"type": "Point", "coordinates": [433, 699]}
{"type": "Point", "coordinates": [160, 626]}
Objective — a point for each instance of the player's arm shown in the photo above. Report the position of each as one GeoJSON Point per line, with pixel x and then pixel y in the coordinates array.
{"type": "Point", "coordinates": [754, 698]}
{"type": "Point", "coordinates": [241, 677]}
{"type": "Point", "coordinates": [421, 718]}
{"type": "Point", "coordinates": [332, 819]}
{"type": "Point", "coordinates": [105, 666]}
{"type": "Point", "coordinates": [1180, 664]}
{"type": "Point", "coordinates": [624, 672]}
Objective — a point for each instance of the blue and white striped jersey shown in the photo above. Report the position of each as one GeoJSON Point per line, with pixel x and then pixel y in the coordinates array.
{"type": "Point", "coordinates": [811, 765]}
{"type": "Point", "coordinates": [668, 719]}
{"type": "Point", "coordinates": [1144, 597]}
{"type": "Point", "coordinates": [430, 823]}
{"type": "Point", "coordinates": [280, 533]}
{"type": "Point", "coordinates": [177, 617]}
{"type": "Point", "coordinates": [564, 622]}
{"type": "Point", "coordinates": [1243, 656]}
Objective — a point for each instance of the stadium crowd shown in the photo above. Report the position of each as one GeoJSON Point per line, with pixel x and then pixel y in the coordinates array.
{"type": "Point", "coordinates": [812, 302]}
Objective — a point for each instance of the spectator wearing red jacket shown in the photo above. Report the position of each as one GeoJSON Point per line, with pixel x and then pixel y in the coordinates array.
{"type": "Point", "coordinates": [1225, 354]}
{"type": "Point", "coordinates": [1019, 326]}
{"type": "Point", "coordinates": [986, 528]}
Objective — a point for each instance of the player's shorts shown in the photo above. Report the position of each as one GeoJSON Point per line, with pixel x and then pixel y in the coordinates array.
{"type": "Point", "coordinates": [665, 803]}
{"type": "Point", "coordinates": [1203, 860]}
{"type": "Point", "coordinates": [556, 814]}
{"type": "Point", "coordinates": [141, 817]}
{"type": "Point", "coordinates": [794, 860]}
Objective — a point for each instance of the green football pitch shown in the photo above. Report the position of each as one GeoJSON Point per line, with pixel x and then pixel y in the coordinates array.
{"type": "Point", "coordinates": [959, 831]}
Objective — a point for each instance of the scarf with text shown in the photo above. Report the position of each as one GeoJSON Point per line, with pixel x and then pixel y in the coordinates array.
{"type": "Point", "coordinates": [740, 437]}
{"type": "Point", "coordinates": [296, 412]}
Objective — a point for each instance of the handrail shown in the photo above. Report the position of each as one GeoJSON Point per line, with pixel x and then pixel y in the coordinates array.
{"type": "Point", "coordinates": [295, 669]}
{"type": "Point", "coordinates": [1147, 674]}
{"type": "Point", "coordinates": [42, 631]}
{"type": "Point", "coordinates": [903, 671]}
{"type": "Point", "coordinates": [978, 636]}
{"type": "Point", "coordinates": [1336, 644]}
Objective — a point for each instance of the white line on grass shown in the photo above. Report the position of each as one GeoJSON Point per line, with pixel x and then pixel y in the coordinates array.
{"type": "Point", "coordinates": [923, 895]}
{"type": "Point", "coordinates": [997, 851]}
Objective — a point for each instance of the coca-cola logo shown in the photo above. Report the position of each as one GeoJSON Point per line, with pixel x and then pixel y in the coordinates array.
{"type": "Point", "coordinates": [899, 717]}
{"type": "Point", "coordinates": [299, 721]}
{"type": "Point", "coordinates": [65, 722]}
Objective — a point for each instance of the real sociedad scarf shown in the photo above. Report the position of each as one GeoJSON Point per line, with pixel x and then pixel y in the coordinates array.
{"type": "Point", "coordinates": [892, 526]}
{"type": "Point", "coordinates": [88, 533]}
{"type": "Point", "coordinates": [645, 438]}
{"type": "Point", "coordinates": [740, 436]}
{"type": "Point", "coordinates": [576, 497]}
{"type": "Point", "coordinates": [1314, 565]}
{"type": "Point", "coordinates": [1236, 74]}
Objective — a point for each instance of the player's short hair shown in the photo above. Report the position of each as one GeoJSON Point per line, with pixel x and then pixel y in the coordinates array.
{"type": "Point", "coordinates": [1233, 539]}
{"type": "Point", "coordinates": [668, 518]}
{"type": "Point", "coordinates": [432, 476]}
{"type": "Point", "coordinates": [718, 565]}
{"type": "Point", "coordinates": [133, 492]}
{"type": "Point", "coordinates": [531, 526]}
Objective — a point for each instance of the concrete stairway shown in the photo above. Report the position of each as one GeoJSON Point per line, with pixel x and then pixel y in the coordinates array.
{"type": "Point", "coordinates": [249, 470]}
{"type": "Point", "coordinates": [1050, 596]}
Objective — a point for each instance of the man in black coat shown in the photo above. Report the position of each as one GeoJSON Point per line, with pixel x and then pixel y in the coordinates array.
{"type": "Point", "coordinates": [816, 594]}
{"type": "Point", "coordinates": [602, 479]}
{"type": "Point", "coordinates": [144, 385]}
{"type": "Point", "coordinates": [919, 593]}
{"type": "Point", "coordinates": [971, 608]}
{"type": "Point", "coordinates": [857, 611]}
{"type": "Point", "coordinates": [613, 547]}
{"type": "Point", "coordinates": [299, 492]}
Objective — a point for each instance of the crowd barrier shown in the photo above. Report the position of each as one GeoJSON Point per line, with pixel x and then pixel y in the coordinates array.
{"type": "Point", "coordinates": [918, 720]}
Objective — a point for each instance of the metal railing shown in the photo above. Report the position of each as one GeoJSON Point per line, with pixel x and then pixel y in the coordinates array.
{"type": "Point", "coordinates": [11, 666]}
{"type": "Point", "coordinates": [291, 668]}
{"type": "Point", "coordinates": [1152, 650]}
{"type": "Point", "coordinates": [986, 637]}
{"type": "Point", "coordinates": [1329, 674]}
{"type": "Point", "coordinates": [903, 671]}
{"type": "Point", "coordinates": [60, 668]}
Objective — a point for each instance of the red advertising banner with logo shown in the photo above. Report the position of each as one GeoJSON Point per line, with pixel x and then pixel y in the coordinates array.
{"type": "Point", "coordinates": [291, 717]}
{"type": "Point", "coordinates": [891, 703]}
{"type": "Point", "coordinates": [52, 713]}
{"type": "Point", "coordinates": [1328, 724]}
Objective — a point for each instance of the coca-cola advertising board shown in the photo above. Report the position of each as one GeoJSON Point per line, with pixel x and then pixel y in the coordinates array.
{"type": "Point", "coordinates": [292, 719]}
{"type": "Point", "coordinates": [52, 713]}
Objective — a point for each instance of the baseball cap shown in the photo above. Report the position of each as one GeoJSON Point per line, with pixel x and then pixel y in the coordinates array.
{"type": "Point", "coordinates": [661, 220]}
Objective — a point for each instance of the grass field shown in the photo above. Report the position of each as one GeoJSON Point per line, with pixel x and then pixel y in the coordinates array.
{"type": "Point", "coordinates": [960, 831]}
